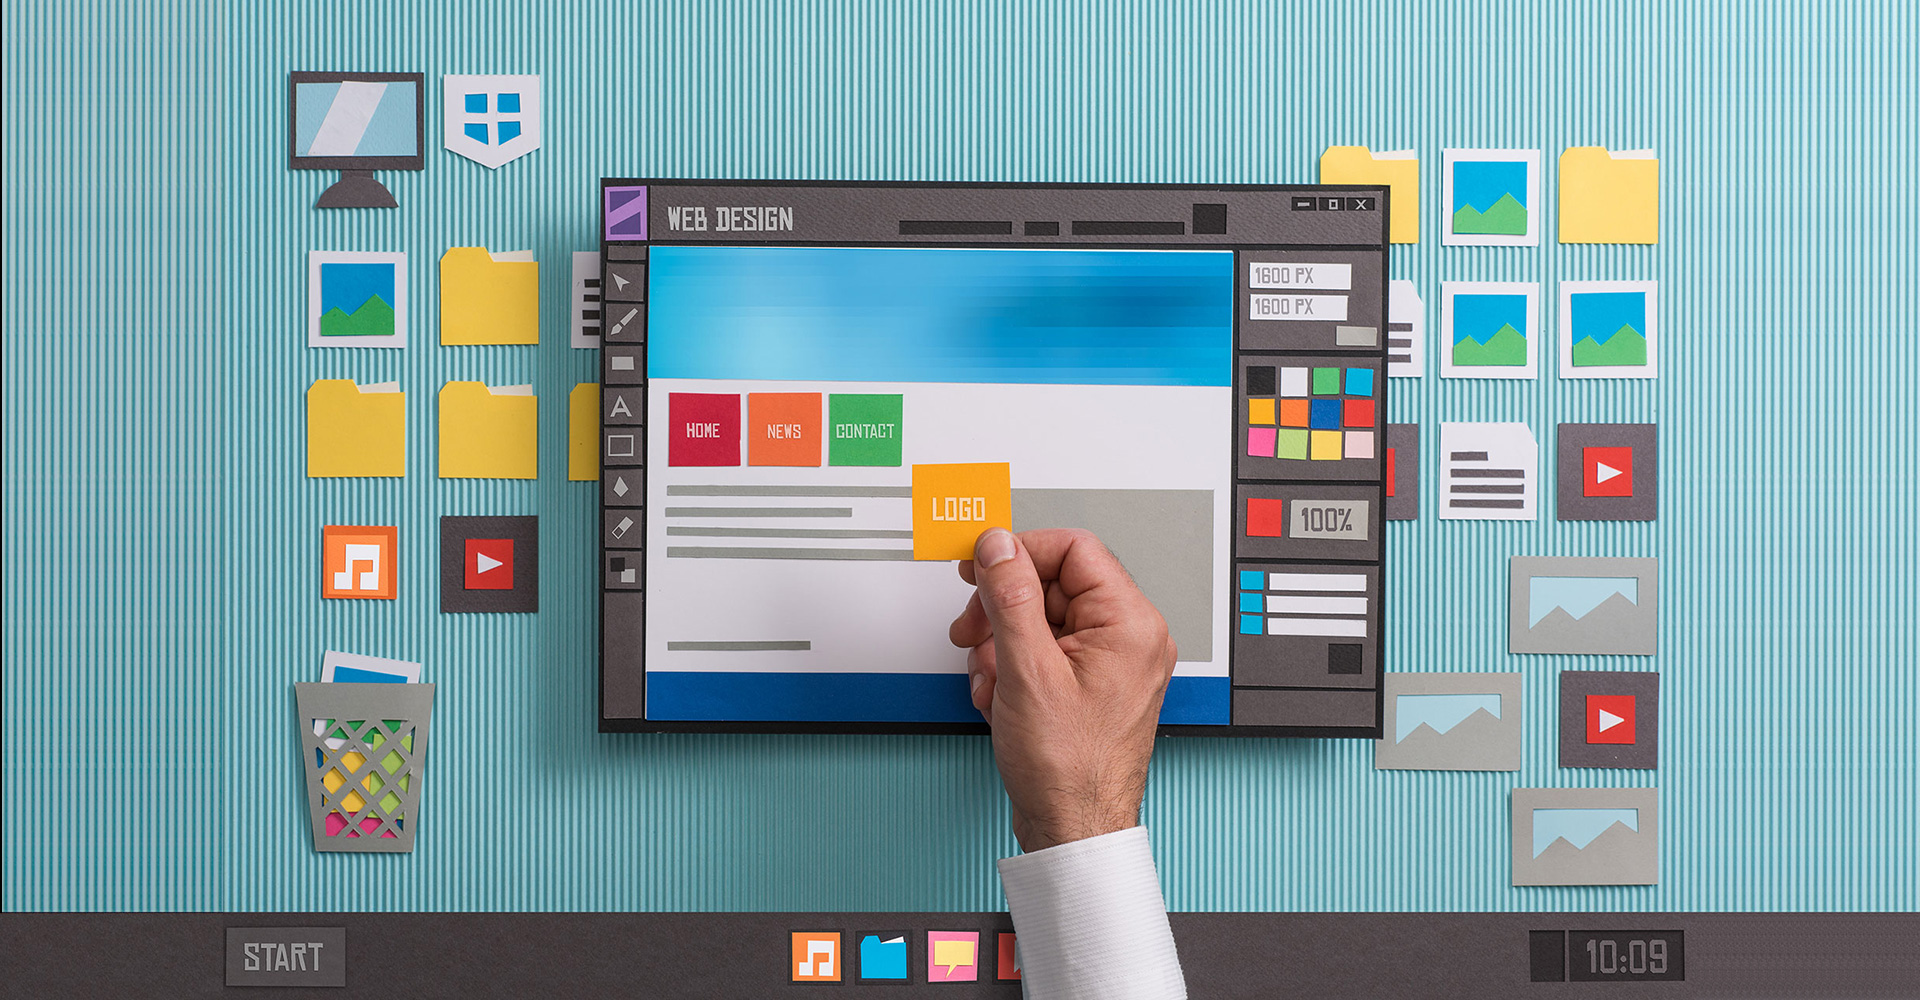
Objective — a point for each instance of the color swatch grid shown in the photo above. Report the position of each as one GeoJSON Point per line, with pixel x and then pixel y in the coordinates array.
{"type": "Point", "coordinates": [1310, 414]}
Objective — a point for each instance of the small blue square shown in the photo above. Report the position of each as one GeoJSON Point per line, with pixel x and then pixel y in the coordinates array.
{"type": "Point", "coordinates": [1250, 625]}
{"type": "Point", "coordinates": [1325, 415]}
{"type": "Point", "coordinates": [477, 131]}
{"type": "Point", "coordinates": [1253, 579]}
{"type": "Point", "coordinates": [476, 104]}
{"type": "Point", "coordinates": [509, 104]}
{"type": "Point", "coordinates": [509, 131]}
{"type": "Point", "coordinates": [1359, 381]}
{"type": "Point", "coordinates": [1252, 603]}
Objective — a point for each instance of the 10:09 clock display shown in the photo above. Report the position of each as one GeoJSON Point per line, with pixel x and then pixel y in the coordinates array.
{"type": "Point", "coordinates": [1631, 956]}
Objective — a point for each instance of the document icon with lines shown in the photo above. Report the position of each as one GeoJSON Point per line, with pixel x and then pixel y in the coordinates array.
{"type": "Point", "coordinates": [1488, 471]}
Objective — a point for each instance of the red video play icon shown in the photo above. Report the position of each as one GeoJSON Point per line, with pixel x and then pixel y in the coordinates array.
{"type": "Point", "coordinates": [1610, 718]}
{"type": "Point", "coordinates": [489, 564]}
{"type": "Point", "coordinates": [1607, 472]}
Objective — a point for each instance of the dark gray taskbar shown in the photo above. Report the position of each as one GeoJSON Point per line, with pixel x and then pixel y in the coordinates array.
{"type": "Point", "coordinates": [1327, 956]}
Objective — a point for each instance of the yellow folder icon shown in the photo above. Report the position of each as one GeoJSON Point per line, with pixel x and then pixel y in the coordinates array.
{"type": "Point", "coordinates": [489, 298]}
{"type": "Point", "coordinates": [488, 432]}
{"type": "Point", "coordinates": [583, 432]}
{"type": "Point", "coordinates": [1609, 197]}
{"type": "Point", "coordinates": [1399, 170]}
{"type": "Point", "coordinates": [356, 430]}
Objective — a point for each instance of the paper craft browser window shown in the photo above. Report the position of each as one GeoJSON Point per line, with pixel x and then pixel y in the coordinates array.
{"type": "Point", "coordinates": [815, 397]}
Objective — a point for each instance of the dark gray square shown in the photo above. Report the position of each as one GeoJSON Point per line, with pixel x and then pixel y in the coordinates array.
{"type": "Point", "coordinates": [1403, 503]}
{"type": "Point", "coordinates": [623, 569]}
{"type": "Point", "coordinates": [622, 527]}
{"type": "Point", "coordinates": [621, 447]}
{"type": "Point", "coordinates": [620, 406]}
{"type": "Point", "coordinates": [625, 282]}
{"type": "Point", "coordinates": [623, 322]}
{"type": "Point", "coordinates": [622, 488]}
{"type": "Point", "coordinates": [622, 365]}
{"type": "Point", "coordinates": [524, 596]}
{"type": "Point", "coordinates": [1642, 685]}
{"type": "Point", "coordinates": [1333, 521]}
{"type": "Point", "coordinates": [1570, 473]}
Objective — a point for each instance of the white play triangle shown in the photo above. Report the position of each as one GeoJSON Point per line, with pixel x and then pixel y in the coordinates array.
{"type": "Point", "coordinates": [1608, 720]}
{"type": "Point", "coordinates": [482, 563]}
{"type": "Point", "coordinates": [1604, 472]}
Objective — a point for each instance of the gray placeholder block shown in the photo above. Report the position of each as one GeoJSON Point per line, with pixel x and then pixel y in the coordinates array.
{"type": "Point", "coordinates": [1464, 704]}
{"type": "Point", "coordinates": [1626, 620]}
{"type": "Point", "coordinates": [1569, 466]}
{"type": "Point", "coordinates": [1404, 504]}
{"type": "Point", "coordinates": [1163, 537]}
{"type": "Point", "coordinates": [1296, 707]}
{"type": "Point", "coordinates": [1615, 848]}
{"type": "Point", "coordinates": [1577, 685]}
{"type": "Point", "coordinates": [355, 714]}
{"type": "Point", "coordinates": [1302, 658]}
{"type": "Point", "coordinates": [524, 596]}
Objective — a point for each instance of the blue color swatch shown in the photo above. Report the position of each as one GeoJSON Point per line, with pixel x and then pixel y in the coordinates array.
{"type": "Point", "coordinates": [1090, 317]}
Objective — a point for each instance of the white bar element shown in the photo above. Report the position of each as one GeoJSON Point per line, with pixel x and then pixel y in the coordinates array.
{"type": "Point", "coordinates": [1299, 308]}
{"type": "Point", "coordinates": [1332, 277]}
{"type": "Point", "coordinates": [622, 364]}
{"type": "Point", "coordinates": [1352, 627]}
{"type": "Point", "coordinates": [1282, 605]}
{"type": "Point", "coordinates": [1317, 581]}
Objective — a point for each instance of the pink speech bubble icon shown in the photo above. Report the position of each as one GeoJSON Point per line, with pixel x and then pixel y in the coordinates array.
{"type": "Point", "coordinates": [953, 956]}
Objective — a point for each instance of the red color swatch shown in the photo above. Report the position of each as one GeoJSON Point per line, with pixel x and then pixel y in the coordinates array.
{"type": "Point", "coordinates": [1266, 518]}
{"type": "Point", "coordinates": [703, 428]}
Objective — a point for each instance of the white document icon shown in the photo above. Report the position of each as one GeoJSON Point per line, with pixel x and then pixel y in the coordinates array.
{"type": "Point", "coordinates": [1488, 471]}
{"type": "Point", "coordinates": [585, 323]}
{"type": "Point", "coordinates": [1406, 331]}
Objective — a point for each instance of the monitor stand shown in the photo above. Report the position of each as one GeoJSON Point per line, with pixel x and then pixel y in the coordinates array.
{"type": "Point", "coordinates": [356, 189]}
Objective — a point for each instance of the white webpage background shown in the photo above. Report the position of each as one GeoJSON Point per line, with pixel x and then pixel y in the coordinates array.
{"type": "Point", "coordinates": [892, 617]}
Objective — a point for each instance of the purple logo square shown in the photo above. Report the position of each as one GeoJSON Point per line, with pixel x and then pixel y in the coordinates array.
{"type": "Point", "coordinates": [626, 213]}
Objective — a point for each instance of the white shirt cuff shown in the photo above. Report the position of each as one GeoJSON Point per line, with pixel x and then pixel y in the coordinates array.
{"type": "Point", "coordinates": [1091, 922]}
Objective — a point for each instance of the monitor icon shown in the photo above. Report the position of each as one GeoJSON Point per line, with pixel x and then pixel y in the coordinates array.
{"type": "Point", "coordinates": [355, 123]}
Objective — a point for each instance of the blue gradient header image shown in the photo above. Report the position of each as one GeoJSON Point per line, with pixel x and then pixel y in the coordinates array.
{"type": "Point", "coordinates": [1091, 317]}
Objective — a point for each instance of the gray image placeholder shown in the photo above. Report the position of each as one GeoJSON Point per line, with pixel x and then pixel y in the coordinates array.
{"type": "Point", "coordinates": [1163, 537]}
{"type": "Point", "coordinates": [1450, 722]}
{"type": "Point", "coordinates": [1583, 605]}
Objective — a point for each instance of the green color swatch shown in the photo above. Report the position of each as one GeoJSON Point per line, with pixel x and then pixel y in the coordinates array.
{"type": "Point", "coordinates": [1326, 381]}
{"type": "Point", "coordinates": [1626, 348]}
{"type": "Point", "coordinates": [863, 429]}
{"type": "Point", "coordinates": [1505, 349]}
{"type": "Point", "coordinates": [374, 318]}
{"type": "Point", "coordinates": [1507, 217]}
{"type": "Point", "coordinates": [1291, 444]}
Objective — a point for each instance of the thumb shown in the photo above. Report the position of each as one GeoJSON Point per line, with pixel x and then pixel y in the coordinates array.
{"type": "Point", "coordinates": [1015, 603]}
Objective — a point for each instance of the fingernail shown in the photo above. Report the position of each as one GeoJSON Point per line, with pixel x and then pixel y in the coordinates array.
{"type": "Point", "coordinates": [993, 548]}
{"type": "Point", "coordinates": [978, 679]}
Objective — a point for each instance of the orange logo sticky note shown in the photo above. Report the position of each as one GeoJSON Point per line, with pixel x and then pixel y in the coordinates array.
{"type": "Point", "coordinates": [358, 561]}
{"type": "Point", "coordinates": [816, 956]}
{"type": "Point", "coordinates": [953, 504]}
{"type": "Point", "coordinates": [783, 428]}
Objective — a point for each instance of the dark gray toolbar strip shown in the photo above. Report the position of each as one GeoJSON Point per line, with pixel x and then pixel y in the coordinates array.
{"type": "Point", "coordinates": [1199, 216]}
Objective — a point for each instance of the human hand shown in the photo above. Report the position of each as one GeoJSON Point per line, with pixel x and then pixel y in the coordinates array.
{"type": "Point", "coordinates": [1068, 661]}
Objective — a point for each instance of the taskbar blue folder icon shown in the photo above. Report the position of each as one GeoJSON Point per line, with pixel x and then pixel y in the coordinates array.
{"type": "Point", "coordinates": [883, 957]}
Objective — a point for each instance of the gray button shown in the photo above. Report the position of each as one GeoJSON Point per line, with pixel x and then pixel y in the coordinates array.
{"type": "Point", "coordinates": [624, 283]}
{"type": "Point", "coordinates": [286, 956]}
{"type": "Point", "coordinates": [623, 322]}
{"type": "Point", "coordinates": [623, 569]}
{"type": "Point", "coordinates": [621, 446]}
{"type": "Point", "coordinates": [622, 366]}
{"type": "Point", "coordinates": [622, 527]}
{"type": "Point", "coordinates": [621, 406]}
{"type": "Point", "coordinates": [622, 488]}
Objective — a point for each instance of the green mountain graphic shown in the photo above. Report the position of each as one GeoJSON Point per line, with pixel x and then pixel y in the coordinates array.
{"type": "Point", "coordinates": [1505, 349]}
{"type": "Point", "coordinates": [1507, 217]}
{"type": "Point", "coordinates": [1626, 348]}
{"type": "Point", "coordinates": [374, 318]}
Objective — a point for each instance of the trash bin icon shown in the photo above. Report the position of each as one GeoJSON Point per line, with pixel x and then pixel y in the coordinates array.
{"type": "Point", "coordinates": [364, 744]}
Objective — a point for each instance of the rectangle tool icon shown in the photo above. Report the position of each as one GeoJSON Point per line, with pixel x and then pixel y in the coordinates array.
{"type": "Point", "coordinates": [831, 391]}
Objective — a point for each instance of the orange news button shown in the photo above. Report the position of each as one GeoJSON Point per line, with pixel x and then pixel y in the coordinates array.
{"type": "Point", "coordinates": [953, 504]}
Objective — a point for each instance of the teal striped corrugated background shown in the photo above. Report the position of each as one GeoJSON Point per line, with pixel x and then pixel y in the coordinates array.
{"type": "Point", "coordinates": [161, 541]}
